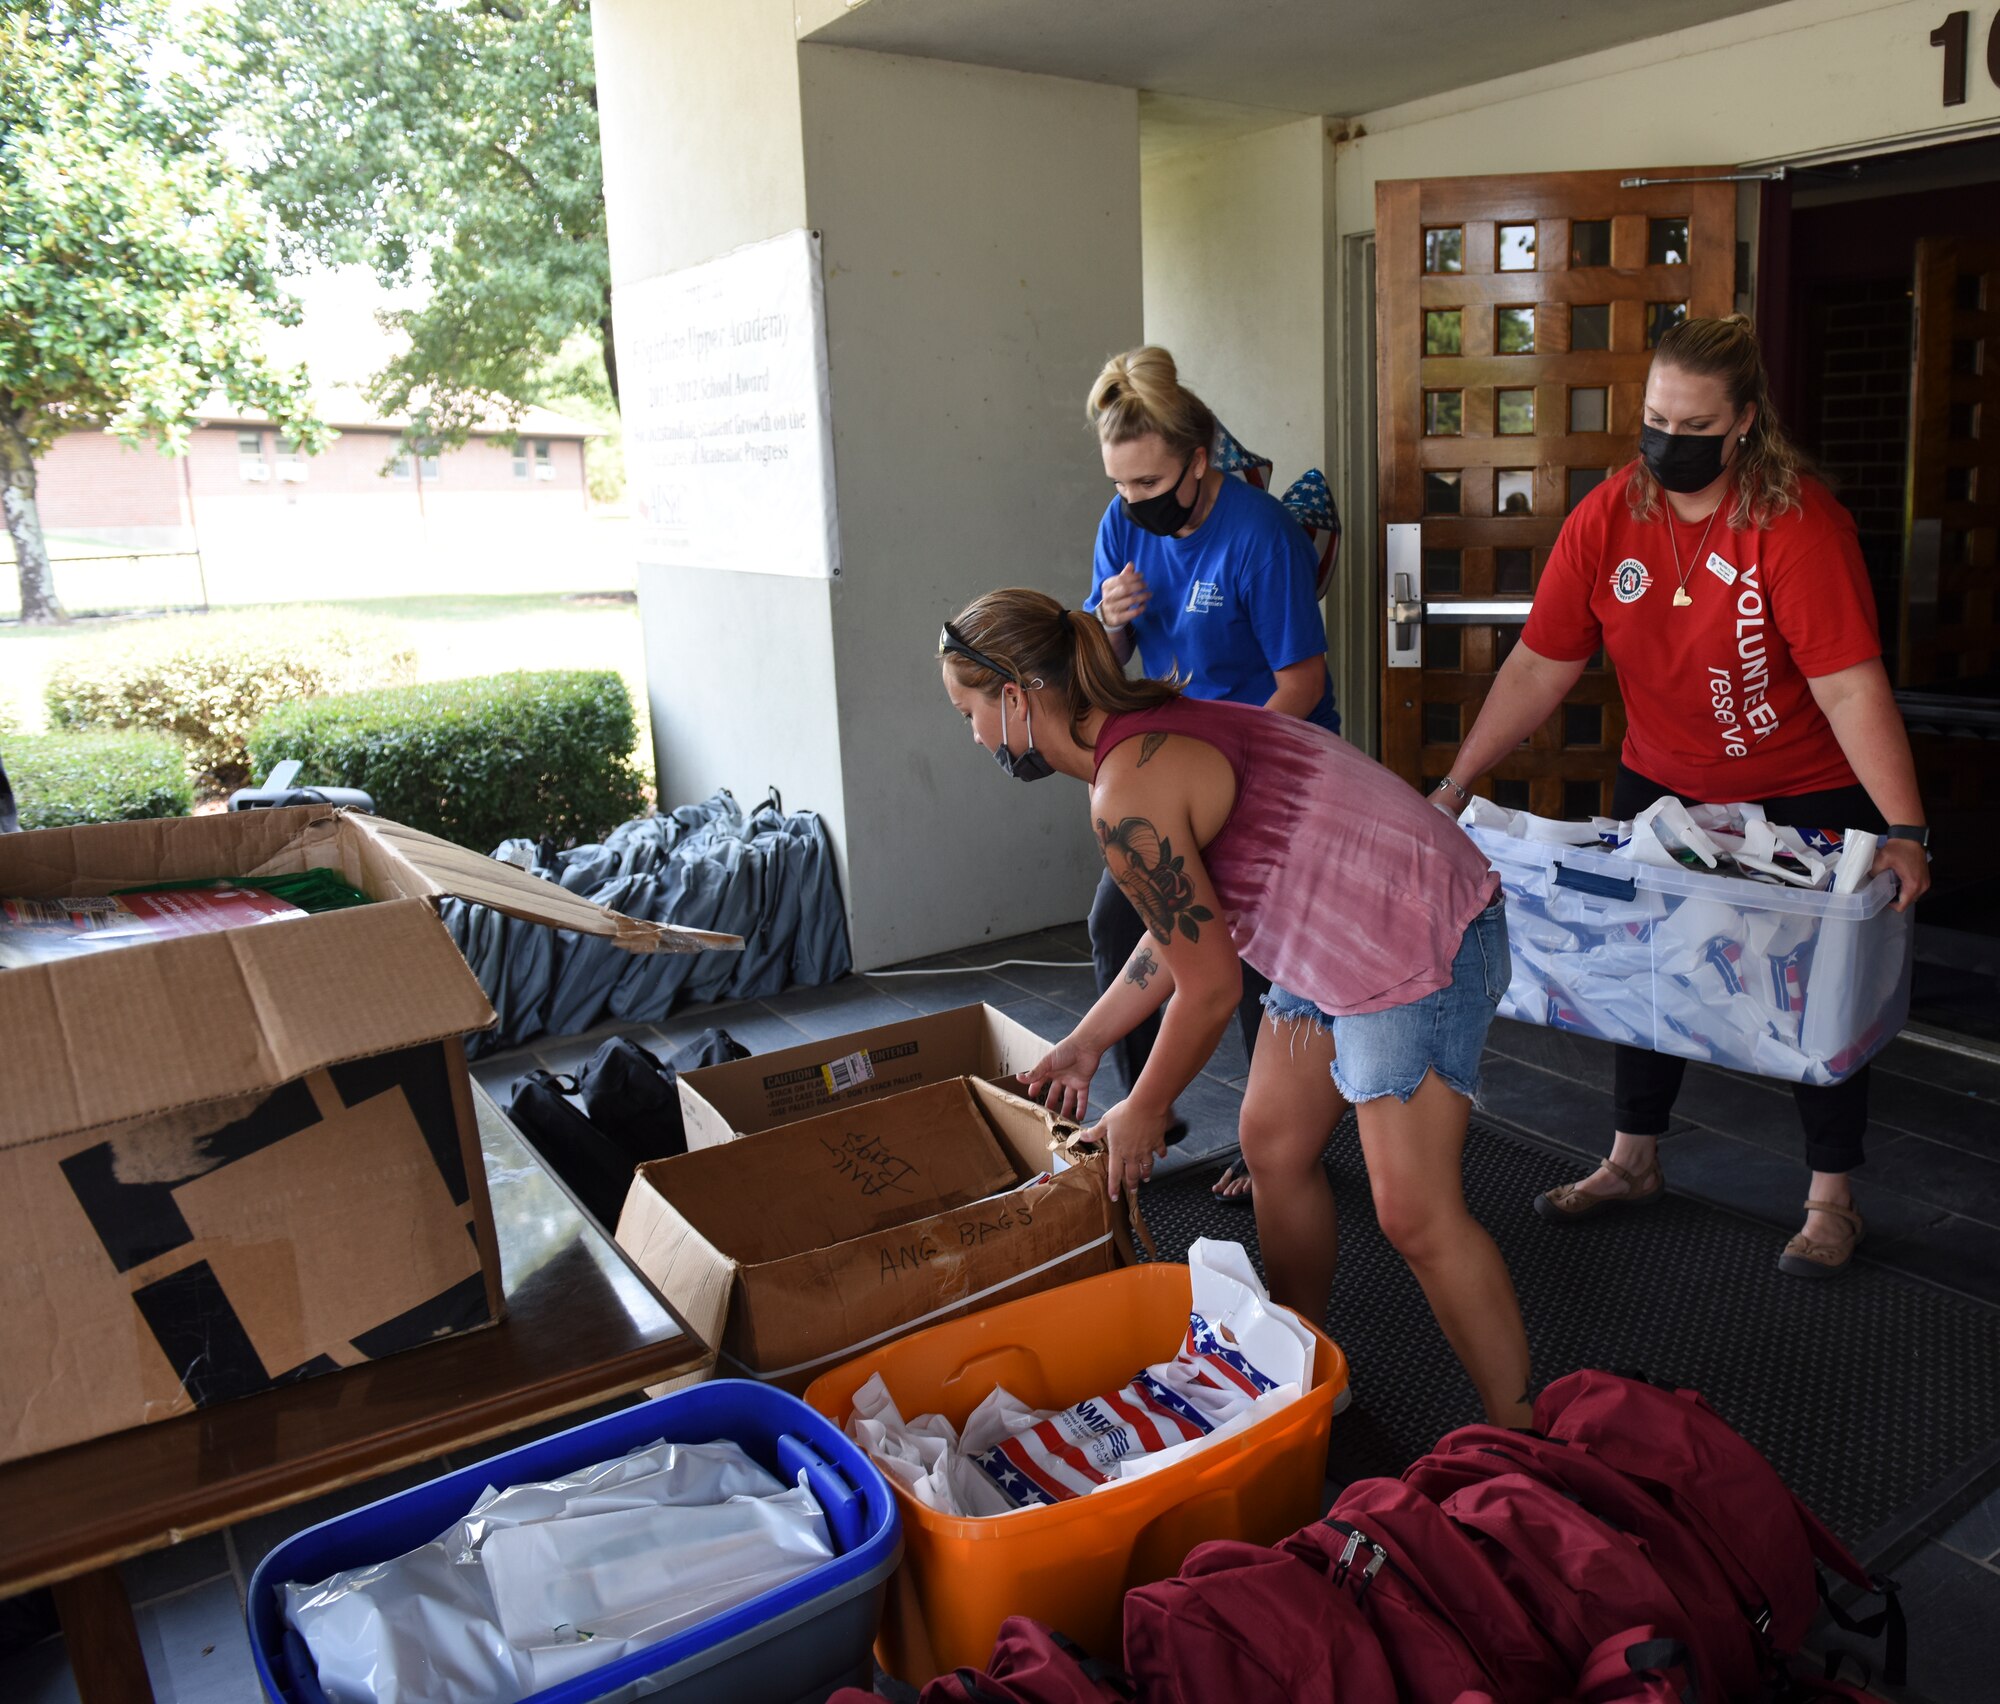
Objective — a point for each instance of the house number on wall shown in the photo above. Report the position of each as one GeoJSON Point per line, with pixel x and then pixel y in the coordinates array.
{"type": "Point", "coordinates": [1952, 35]}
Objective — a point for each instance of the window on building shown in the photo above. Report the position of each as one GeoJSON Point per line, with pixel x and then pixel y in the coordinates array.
{"type": "Point", "coordinates": [520, 458]}
{"type": "Point", "coordinates": [428, 466]}
{"type": "Point", "coordinates": [400, 467]}
{"type": "Point", "coordinates": [545, 467]}
{"type": "Point", "coordinates": [291, 465]}
{"type": "Point", "coordinates": [250, 455]}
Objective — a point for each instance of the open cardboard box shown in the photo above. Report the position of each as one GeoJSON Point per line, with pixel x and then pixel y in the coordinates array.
{"type": "Point", "coordinates": [722, 1102]}
{"type": "Point", "coordinates": [792, 1250]}
{"type": "Point", "coordinates": [233, 1160]}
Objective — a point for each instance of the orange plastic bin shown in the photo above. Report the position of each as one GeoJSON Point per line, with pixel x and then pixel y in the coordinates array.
{"type": "Point", "coordinates": [1070, 1564]}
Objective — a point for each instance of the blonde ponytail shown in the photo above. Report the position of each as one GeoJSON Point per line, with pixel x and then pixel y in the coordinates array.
{"type": "Point", "coordinates": [1035, 638]}
{"type": "Point", "coordinates": [1139, 395]}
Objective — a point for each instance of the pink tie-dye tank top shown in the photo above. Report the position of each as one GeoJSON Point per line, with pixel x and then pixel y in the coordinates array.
{"type": "Point", "coordinates": [1338, 881]}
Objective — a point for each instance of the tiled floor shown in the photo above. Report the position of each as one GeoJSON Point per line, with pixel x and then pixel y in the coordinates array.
{"type": "Point", "coordinates": [1931, 1194]}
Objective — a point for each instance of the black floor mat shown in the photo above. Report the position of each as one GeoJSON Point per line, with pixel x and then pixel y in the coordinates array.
{"type": "Point", "coordinates": [1863, 1391]}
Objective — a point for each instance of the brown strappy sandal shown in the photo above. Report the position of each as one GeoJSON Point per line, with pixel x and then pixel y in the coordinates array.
{"type": "Point", "coordinates": [1806, 1258]}
{"type": "Point", "coordinates": [1567, 1202]}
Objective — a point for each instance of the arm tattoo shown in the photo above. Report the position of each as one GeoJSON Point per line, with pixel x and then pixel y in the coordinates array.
{"type": "Point", "coordinates": [1143, 864]}
{"type": "Point", "coordinates": [1147, 747]}
{"type": "Point", "coordinates": [1143, 968]}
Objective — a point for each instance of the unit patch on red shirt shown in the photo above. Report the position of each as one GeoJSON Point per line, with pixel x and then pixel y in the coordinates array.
{"type": "Point", "coordinates": [1715, 635]}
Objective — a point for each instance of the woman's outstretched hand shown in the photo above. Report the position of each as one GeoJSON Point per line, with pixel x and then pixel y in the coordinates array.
{"type": "Point", "coordinates": [1132, 1139]}
{"type": "Point", "coordinates": [1061, 1082]}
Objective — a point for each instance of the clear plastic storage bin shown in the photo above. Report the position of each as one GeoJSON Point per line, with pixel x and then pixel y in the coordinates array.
{"type": "Point", "coordinates": [1784, 982]}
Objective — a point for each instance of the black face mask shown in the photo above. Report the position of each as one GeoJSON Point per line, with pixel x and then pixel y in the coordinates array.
{"type": "Point", "coordinates": [1163, 514]}
{"type": "Point", "coordinates": [1682, 461]}
{"type": "Point", "coordinates": [1030, 765]}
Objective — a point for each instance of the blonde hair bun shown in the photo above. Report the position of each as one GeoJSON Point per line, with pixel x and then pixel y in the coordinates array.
{"type": "Point", "coordinates": [1139, 394]}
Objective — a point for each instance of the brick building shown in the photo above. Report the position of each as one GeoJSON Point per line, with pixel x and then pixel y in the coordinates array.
{"type": "Point", "coordinates": [251, 506]}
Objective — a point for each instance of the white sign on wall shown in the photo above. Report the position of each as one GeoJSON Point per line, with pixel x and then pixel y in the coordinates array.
{"type": "Point", "coordinates": [728, 428]}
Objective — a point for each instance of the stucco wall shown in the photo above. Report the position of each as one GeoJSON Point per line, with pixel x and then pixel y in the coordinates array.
{"type": "Point", "coordinates": [982, 258]}
{"type": "Point", "coordinates": [1777, 84]}
{"type": "Point", "coordinates": [698, 107]}
{"type": "Point", "coordinates": [981, 254]}
{"type": "Point", "coordinates": [1236, 284]}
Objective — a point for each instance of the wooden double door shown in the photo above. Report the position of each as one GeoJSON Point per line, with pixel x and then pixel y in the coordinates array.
{"type": "Point", "coordinates": [1515, 320]}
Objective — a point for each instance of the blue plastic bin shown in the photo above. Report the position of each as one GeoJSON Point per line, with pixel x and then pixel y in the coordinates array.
{"type": "Point", "coordinates": [794, 1645]}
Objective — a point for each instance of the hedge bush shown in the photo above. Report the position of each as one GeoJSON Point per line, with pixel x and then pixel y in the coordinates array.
{"type": "Point", "coordinates": [477, 761]}
{"type": "Point", "coordinates": [61, 780]}
{"type": "Point", "coordinates": [208, 679]}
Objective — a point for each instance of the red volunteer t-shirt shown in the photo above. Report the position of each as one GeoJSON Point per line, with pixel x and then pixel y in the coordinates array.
{"type": "Point", "coordinates": [1717, 704]}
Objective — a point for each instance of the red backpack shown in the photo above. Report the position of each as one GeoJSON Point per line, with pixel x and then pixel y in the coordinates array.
{"type": "Point", "coordinates": [1030, 1664]}
{"type": "Point", "coordinates": [1445, 1619]}
{"type": "Point", "coordinates": [1638, 1666]}
{"type": "Point", "coordinates": [1247, 1624]}
{"type": "Point", "coordinates": [1765, 1540]}
{"type": "Point", "coordinates": [1723, 1643]}
{"type": "Point", "coordinates": [1581, 1580]}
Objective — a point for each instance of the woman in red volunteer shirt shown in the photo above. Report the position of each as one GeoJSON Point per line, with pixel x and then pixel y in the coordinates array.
{"type": "Point", "coordinates": [1726, 586]}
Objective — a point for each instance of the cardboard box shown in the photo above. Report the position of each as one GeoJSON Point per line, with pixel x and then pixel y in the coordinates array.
{"type": "Point", "coordinates": [721, 1102]}
{"type": "Point", "coordinates": [792, 1250]}
{"type": "Point", "coordinates": [233, 1160]}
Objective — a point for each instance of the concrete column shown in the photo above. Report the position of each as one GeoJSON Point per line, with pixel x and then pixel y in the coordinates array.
{"type": "Point", "coordinates": [1242, 265]}
{"type": "Point", "coordinates": [980, 235]}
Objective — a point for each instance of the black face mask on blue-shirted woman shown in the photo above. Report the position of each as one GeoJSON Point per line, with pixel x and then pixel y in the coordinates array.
{"type": "Point", "coordinates": [1163, 514]}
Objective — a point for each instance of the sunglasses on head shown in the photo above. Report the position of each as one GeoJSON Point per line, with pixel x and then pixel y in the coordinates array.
{"type": "Point", "coordinates": [952, 643]}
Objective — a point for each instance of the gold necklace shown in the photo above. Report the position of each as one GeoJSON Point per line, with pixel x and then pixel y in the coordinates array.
{"type": "Point", "coordinates": [1681, 598]}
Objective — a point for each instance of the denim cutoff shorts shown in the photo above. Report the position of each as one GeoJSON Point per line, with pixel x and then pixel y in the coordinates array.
{"type": "Point", "coordinates": [1388, 1052]}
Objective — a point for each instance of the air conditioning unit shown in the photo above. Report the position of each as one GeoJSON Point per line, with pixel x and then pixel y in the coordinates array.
{"type": "Point", "coordinates": [544, 470]}
{"type": "Point", "coordinates": [254, 470]}
{"type": "Point", "coordinates": [292, 472]}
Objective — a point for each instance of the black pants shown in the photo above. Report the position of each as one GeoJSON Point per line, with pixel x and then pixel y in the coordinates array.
{"type": "Point", "coordinates": [1646, 1084]}
{"type": "Point", "coordinates": [1115, 930]}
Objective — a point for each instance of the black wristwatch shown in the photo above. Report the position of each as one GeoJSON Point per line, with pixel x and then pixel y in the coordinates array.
{"type": "Point", "coordinates": [1908, 831]}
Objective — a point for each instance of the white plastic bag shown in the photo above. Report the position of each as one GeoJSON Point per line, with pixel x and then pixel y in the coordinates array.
{"type": "Point", "coordinates": [461, 1620]}
{"type": "Point", "coordinates": [1242, 1357]}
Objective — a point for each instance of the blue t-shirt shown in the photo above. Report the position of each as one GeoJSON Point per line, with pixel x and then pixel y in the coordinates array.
{"type": "Point", "coordinates": [1229, 605]}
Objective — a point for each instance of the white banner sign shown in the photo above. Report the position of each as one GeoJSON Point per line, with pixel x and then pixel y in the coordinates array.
{"type": "Point", "coordinates": [728, 429]}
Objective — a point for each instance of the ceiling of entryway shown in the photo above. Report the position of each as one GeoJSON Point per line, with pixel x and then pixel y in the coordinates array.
{"type": "Point", "coordinates": [1336, 57]}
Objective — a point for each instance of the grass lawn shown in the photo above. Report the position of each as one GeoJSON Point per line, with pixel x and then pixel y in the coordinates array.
{"type": "Point", "coordinates": [453, 636]}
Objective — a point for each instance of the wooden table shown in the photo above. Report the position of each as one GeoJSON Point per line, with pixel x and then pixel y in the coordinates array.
{"type": "Point", "coordinates": [581, 1327]}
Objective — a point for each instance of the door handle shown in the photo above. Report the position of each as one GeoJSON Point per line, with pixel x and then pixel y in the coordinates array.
{"type": "Point", "coordinates": [1404, 599]}
{"type": "Point", "coordinates": [1475, 612]}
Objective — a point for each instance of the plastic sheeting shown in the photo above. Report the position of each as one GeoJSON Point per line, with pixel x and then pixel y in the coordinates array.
{"type": "Point", "coordinates": [769, 878]}
{"type": "Point", "coordinates": [542, 1582]}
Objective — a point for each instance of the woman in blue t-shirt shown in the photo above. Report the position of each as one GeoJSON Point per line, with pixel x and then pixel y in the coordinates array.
{"type": "Point", "coordinates": [1211, 579]}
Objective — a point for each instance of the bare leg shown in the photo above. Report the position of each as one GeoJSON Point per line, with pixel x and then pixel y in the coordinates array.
{"type": "Point", "coordinates": [1289, 1109]}
{"type": "Point", "coordinates": [1415, 1152]}
{"type": "Point", "coordinates": [1639, 1155]}
{"type": "Point", "coordinates": [1834, 1187]}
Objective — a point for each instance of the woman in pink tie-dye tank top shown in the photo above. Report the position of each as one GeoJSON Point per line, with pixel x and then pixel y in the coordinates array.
{"type": "Point", "coordinates": [1244, 836]}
